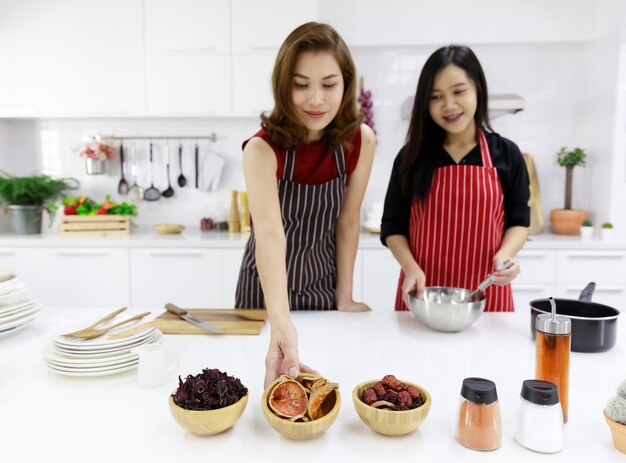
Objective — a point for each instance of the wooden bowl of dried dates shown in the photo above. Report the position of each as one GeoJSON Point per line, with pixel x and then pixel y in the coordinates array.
{"type": "Point", "coordinates": [390, 406]}
{"type": "Point", "coordinates": [301, 408]}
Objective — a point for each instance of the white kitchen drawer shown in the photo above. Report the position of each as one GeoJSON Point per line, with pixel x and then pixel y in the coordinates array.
{"type": "Point", "coordinates": [75, 277]}
{"type": "Point", "coordinates": [189, 278]}
{"type": "Point", "coordinates": [603, 267]}
{"type": "Point", "coordinates": [612, 295]}
{"type": "Point", "coordinates": [231, 263]}
{"type": "Point", "coordinates": [380, 278]}
{"type": "Point", "coordinates": [536, 267]}
{"type": "Point", "coordinates": [523, 294]}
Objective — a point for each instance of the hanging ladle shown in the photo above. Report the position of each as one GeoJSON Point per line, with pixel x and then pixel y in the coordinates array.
{"type": "Point", "coordinates": [122, 187]}
{"type": "Point", "coordinates": [169, 192]}
{"type": "Point", "coordinates": [487, 281]}
{"type": "Point", "coordinates": [182, 181]}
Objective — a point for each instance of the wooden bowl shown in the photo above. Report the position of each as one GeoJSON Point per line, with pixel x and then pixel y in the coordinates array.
{"type": "Point", "coordinates": [169, 228]}
{"type": "Point", "coordinates": [390, 422]}
{"type": "Point", "coordinates": [300, 431]}
{"type": "Point", "coordinates": [207, 422]}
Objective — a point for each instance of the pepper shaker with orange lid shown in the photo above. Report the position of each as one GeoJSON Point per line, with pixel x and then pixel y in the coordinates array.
{"type": "Point", "coordinates": [479, 425]}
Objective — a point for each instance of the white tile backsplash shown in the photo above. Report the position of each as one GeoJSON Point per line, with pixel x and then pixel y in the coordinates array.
{"type": "Point", "coordinates": [567, 88]}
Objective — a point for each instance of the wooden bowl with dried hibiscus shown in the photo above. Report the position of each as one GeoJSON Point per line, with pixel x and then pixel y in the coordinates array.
{"type": "Point", "coordinates": [301, 408]}
{"type": "Point", "coordinates": [390, 406]}
{"type": "Point", "coordinates": [209, 402]}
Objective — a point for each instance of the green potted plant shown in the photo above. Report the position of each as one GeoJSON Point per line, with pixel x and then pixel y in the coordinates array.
{"type": "Point", "coordinates": [567, 221]}
{"type": "Point", "coordinates": [26, 197]}
{"type": "Point", "coordinates": [586, 230]}
{"type": "Point", "coordinates": [606, 231]}
{"type": "Point", "coordinates": [615, 416]}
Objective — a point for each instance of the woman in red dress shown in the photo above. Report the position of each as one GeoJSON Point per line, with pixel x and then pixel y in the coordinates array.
{"type": "Point", "coordinates": [457, 203]}
{"type": "Point", "coordinates": [306, 172]}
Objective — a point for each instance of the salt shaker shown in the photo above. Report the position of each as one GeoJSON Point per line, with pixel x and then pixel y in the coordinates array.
{"type": "Point", "coordinates": [553, 343]}
{"type": "Point", "coordinates": [540, 417]}
{"type": "Point", "coordinates": [479, 424]}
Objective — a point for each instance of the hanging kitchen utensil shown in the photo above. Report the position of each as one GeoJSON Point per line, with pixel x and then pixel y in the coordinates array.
{"type": "Point", "coordinates": [122, 187]}
{"type": "Point", "coordinates": [487, 281]}
{"type": "Point", "coordinates": [212, 166]}
{"type": "Point", "coordinates": [151, 194]}
{"type": "Point", "coordinates": [182, 181]}
{"type": "Point", "coordinates": [196, 163]}
{"type": "Point", "coordinates": [136, 192]}
{"type": "Point", "coordinates": [169, 192]}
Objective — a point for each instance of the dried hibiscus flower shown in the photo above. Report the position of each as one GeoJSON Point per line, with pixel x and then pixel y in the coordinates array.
{"type": "Point", "coordinates": [208, 390]}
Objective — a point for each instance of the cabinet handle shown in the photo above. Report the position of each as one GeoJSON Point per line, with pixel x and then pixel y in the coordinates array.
{"type": "Point", "coordinates": [599, 255]}
{"type": "Point", "coordinates": [528, 288]}
{"type": "Point", "coordinates": [532, 255]}
{"type": "Point", "coordinates": [176, 254]}
{"type": "Point", "coordinates": [190, 113]}
{"type": "Point", "coordinates": [604, 289]}
{"type": "Point", "coordinates": [7, 253]}
{"type": "Point", "coordinates": [121, 112]}
{"type": "Point", "coordinates": [81, 253]}
{"type": "Point", "coordinates": [189, 51]}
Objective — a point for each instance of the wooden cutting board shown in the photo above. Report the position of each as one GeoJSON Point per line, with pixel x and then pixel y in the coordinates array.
{"type": "Point", "coordinates": [536, 212]}
{"type": "Point", "coordinates": [231, 321]}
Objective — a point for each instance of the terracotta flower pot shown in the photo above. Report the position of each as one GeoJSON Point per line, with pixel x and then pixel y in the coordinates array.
{"type": "Point", "coordinates": [567, 221]}
{"type": "Point", "coordinates": [618, 431]}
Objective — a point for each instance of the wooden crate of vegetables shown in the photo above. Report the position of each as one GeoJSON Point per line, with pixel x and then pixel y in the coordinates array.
{"type": "Point", "coordinates": [86, 217]}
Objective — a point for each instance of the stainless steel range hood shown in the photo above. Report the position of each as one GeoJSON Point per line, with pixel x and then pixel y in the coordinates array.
{"type": "Point", "coordinates": [499, 104]}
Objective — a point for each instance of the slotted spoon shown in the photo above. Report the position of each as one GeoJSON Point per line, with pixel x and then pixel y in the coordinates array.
{"type": "Point", "coordinates": [151, 194]}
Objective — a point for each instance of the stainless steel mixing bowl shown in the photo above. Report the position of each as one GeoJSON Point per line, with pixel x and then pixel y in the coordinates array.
{"type": "Point", "coordinates": [443, 309]}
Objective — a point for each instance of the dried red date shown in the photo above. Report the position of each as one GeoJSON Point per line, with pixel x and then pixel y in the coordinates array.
{"type": "Point", "coordinates": [404, 399]}
{"type": "Point", "coordinates": [380, 389]}
{"type": "Point", "coordinates": [369, 396]}
{"type": "Point", "coordinates": [415, 393]}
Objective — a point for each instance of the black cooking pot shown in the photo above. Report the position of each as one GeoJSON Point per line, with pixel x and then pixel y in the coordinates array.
{"type": "Point", "coordinates": [594, 326]}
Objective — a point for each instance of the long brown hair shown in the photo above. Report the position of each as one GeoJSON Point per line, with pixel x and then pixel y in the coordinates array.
{"type": "Point", "coordinates": [417, 163]}
{"type": "Point", "coordinates": [282, 124]}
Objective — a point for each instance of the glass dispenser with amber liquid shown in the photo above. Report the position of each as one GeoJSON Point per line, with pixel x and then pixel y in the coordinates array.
{"type": "Point", "coordinates": [553, 344]}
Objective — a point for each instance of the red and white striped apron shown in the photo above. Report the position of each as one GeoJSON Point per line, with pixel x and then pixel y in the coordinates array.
{"type": "Point", "coordinates": [309, 214]}
{"type": "Point", "coordinates": [456, 231]}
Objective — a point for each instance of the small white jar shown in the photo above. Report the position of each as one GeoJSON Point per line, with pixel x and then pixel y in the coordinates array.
{"type": "Point", "coordinates": [540, 417]}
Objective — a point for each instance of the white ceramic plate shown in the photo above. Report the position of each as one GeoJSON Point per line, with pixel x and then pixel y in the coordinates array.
{"type": "Point", "coordinates": [16, 323]}
{"type": "Point", "coordinates": [12, 330]}
{"type": "Point", "coordinates": [19, 305]}
{"type": "Point", "coordinates": [21, 313]}
{"type": "Point", "coordinates": [101, 343]}
{"type": "Point", "coordinates": [9, 287]}
{"type": "Point", "coordinates": [54, 356]}
{"type": "Point", "coordinates": [94, 373]}
{"type": "Point", "coordinates": [156, 338]}
{"type": "Point", "coordinates": [9, 297]}
{"type": "Point", "coordinates": [91, 368]}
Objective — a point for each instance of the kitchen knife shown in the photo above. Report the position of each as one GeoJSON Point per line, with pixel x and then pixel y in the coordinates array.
{"type": "Point", "coordinates": [182, 313]}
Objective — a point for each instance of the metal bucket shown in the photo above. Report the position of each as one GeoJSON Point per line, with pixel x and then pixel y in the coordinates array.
{"type": "Point", "coordinates": [95, 166]}
{"type": "Point", "coordinates": [25, 220]}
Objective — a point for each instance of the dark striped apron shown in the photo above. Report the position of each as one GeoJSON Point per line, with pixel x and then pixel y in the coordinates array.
{"type": "Point", "coordinates": [309, 214]}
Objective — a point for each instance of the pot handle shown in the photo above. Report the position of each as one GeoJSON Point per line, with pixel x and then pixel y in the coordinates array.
{"type": "Point", "coordinates": [586, 294]}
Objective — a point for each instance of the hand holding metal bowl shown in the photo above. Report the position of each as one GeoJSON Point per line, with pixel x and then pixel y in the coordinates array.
{"type": "Point", "coordinates": [594, 326]}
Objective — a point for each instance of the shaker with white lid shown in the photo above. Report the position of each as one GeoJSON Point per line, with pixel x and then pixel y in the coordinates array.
{"type": "Point", "coordinates": [540, 417]}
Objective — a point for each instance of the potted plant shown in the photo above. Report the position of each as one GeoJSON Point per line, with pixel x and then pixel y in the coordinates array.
{"type": "Point", "coordinates": [586, 230]}
{"type": "Point", "coordinates": [567, 221]}
{"type": "Point", "coordinates": [606, 231]}
{"type": "Point", "coordinates": [615, 416]}
{"type": "Point", "coordinates": [26, 197]}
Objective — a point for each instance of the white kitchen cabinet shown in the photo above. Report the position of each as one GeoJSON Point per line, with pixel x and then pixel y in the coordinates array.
{"type": "Point", "coordinates": [536, 279]}
{"type": "Point", "coordinates": [187, 277]}
{"type": "Point", "coordinates": [72, 58]}
{"type": "Point", "coordinates": [258, 26]}
{"type": "Point", "coordinates": [188, 85]}
{"type": "Point", "coordinates": [380, 278]}
{"type": "Point", "coordinates": [73, 277]}
{"type": "Point", "coordinates": [252, 83]}
{"type": "Point", "coordinates": [187, 26]}
{"type": "Point", "coordinates": [231, 263]}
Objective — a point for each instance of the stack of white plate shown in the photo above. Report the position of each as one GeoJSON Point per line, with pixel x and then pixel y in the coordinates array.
{"type": "Point", "coordinates": [16, 310]}
{"type": "Point", "coordinates": [99, 356]}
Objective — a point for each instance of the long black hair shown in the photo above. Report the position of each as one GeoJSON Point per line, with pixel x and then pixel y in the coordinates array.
{"type": "Point", "coordinates": [417, 163]}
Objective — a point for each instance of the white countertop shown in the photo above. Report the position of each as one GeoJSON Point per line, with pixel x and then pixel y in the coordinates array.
{"type": "Point", "coordinates": [192, 237]}
{"type": "Point", "coordinates": [45, 416]}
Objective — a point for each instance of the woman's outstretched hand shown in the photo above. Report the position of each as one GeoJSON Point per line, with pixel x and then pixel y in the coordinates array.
{"type": "Point", "coordinates": [282, 356]}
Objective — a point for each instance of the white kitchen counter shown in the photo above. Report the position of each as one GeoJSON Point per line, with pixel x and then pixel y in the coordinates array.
{"type": "Point", "coordinates": [192, 237]}
{"type": "Point", "coordinates": [45, 416]}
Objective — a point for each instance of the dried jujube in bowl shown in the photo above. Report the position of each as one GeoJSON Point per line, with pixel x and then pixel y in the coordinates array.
{"type": "Point", "coordinates": [209, 402]}
{"type": "Point", "coordinates": [391, 406]}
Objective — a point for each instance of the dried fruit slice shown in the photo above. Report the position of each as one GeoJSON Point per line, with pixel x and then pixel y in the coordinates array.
{"type": "Point", "coordinates": [308, 379]}
{"type": "Point", "coordinates": [288, 399]}
{"type": "Point", "coordinates": [319, 402]}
